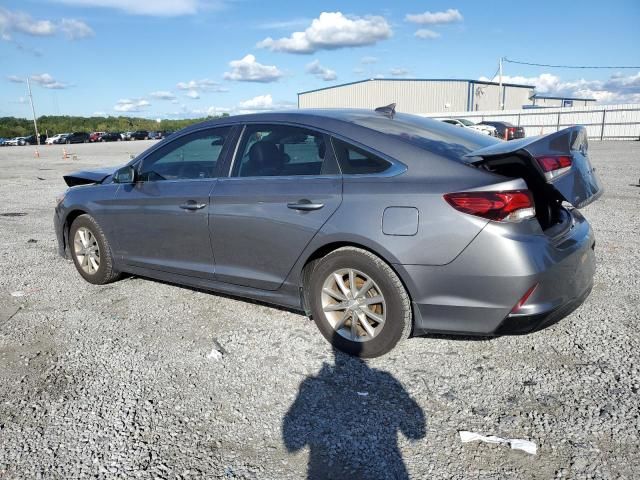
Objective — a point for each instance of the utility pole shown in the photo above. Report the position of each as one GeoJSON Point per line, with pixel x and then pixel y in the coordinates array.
{"type": "Point", "coordinates": [500, 104]}
{"type": "Point", "coordinates": [33, 110]}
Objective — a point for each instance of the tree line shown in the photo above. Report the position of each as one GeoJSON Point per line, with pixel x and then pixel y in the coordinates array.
{"type": "Point", "coordinates": [51, 125]}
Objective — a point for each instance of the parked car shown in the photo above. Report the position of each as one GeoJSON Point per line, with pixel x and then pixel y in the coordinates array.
{"type": "Point", "coordinates": [31, 140]}
{"type": "Point", "coordinates": [506, 130]}
{"type": "Point", "coordinates": [2, 141]}
{"type": "Point", "coordinates": [58, 138]}
{"type": "Point", "coordinates": [95, 136]}
{"type": "Point", "coordinates": [138, 135]}
{"type": "Point", "coordinates": [463, 122]}
{"type": "Point", "coordinates": [16, 141]}
{"type": "Point", "coordinates": [376, 224]}
{"type": "Point", "coordinates": [110, 137]}
{"type": "Point", "coordinates": [77, 137]}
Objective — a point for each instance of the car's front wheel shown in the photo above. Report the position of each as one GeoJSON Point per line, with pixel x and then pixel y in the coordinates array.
{"type": "Point", "coordinates": [358, 302]}
{"type": "Point", "coordinates": [91, 252]}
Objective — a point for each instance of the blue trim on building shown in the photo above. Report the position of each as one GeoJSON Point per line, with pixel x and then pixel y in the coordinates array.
{"type": "Point", "coordinates": [418, 80]}
{"type": "Point", "coordinates": [564, 98]}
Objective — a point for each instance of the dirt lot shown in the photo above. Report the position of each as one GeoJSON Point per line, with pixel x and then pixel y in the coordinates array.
{"type": "Point", "coordinates": [118, 381]}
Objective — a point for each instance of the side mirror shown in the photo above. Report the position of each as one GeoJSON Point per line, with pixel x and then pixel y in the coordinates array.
{"type": "Point", "coordinates": [125, 175]}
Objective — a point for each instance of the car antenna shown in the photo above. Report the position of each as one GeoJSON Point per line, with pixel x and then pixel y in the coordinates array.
{"type": "Point", "coordinates": [389, 110]}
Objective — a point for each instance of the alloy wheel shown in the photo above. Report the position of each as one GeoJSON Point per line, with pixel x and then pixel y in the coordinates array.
{"type": "Point", "coordinates": [353, 304]}
{"type": "Point", "coordinates": [87, 250]}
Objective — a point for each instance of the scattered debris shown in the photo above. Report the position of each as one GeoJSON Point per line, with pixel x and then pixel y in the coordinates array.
{"type": "Point", "coordinates": [217, 351]}
{"type": "Point", "coordinates": [22, 293]}
{"type": "Point", "coordinates": [12, 214]}
{"type": "Point", "coordinates": [40, 178]}
{"type": "Point", "coordinates": [363, 394]}
{"type": "Point", "coordinates": [514, 443]}
{"type": "Point", "coordinates": [32, 240]}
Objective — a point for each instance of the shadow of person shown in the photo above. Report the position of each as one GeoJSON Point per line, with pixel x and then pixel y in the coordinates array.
{"type": "Point", "coordinates": [349, 415]}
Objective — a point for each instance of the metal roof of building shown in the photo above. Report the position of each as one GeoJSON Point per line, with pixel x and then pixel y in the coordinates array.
{"type": "Point", "coordinates": [483, 82]}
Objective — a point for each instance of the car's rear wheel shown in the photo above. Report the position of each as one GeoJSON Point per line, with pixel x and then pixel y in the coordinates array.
{"type": "Point", "coordinates": [358, 302]}
{"type": "Point", "coordinates": [91, 252]}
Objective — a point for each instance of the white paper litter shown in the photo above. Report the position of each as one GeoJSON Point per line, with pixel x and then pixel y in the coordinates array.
{"type": "Point", "coordinates": [215, 355]}
{"type": "Point", "coordinates": [363, 394]}
{"type": "Point", "coordinates": [514, 443]}
{"type": "Point", "coordinates": [19, 293]}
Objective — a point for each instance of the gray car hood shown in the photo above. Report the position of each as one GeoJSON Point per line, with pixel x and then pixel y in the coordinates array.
{"type": "Point", "coordinates": [85, 177]}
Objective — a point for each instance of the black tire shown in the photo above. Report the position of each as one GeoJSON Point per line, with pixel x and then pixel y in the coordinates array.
{"type": "Point", "coordinates": [105, 272]}
{"type": "Point", "coordinates": [398, 323]}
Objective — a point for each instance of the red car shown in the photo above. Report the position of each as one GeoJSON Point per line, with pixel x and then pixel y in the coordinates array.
{"type": "Point", "coordinates": [95, 136]}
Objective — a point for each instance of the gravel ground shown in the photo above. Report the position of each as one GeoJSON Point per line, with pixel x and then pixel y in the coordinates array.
{"type": "Point", "coordinates": [120, 380]}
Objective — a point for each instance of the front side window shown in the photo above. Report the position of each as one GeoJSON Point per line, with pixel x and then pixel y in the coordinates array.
{"type": "Point", "coordinates": [283, 150]}
{"type": "Point", "coordinates": [189, 157]}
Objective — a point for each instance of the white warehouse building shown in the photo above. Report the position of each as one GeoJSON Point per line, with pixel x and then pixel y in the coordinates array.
{"type": "Point", "coordinates": [422, 95]}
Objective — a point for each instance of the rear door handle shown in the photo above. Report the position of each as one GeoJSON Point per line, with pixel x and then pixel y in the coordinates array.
{"type": "Point", "coordinates": [305, 205]}
{"type": "Point", "coordinates": [192, 205]}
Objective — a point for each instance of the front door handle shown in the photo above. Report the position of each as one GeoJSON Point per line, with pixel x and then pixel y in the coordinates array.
{"type": "Point", "coordinates": [305, 205]}
{"type": "Point", "coordinates": [192, 205]}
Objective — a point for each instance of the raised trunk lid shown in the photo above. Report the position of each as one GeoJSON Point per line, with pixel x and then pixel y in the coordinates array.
{"type": "Point", "coordinates": [579, 185]}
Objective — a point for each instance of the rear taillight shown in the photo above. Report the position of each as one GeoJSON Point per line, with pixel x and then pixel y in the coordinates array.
{"type": "Point", "coordinates": [510, 206]}
{"type": "Point", "coordinates": [510, 132]}
{"type": "Point", "coordinates": [554, 165]}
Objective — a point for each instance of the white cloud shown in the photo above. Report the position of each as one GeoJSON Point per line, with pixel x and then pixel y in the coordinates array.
{"type": "Point", "coordinates": [162, 95]}
{"type": "Point", "coordinates": [192, 94]}
{"type": "Point", "coordinates": [330, 31]}
{"type": "Point", "coordinates": [157, 8]}
{"type": "Point", "coordinates": [435, 18]}
{"type": "Point", "coordinates": [618, 88]}
{"type": "Point", "coordinates": [20, 22]}
{"type": "Point", "coordinates": [319, 71]}
{"type": "Point", "coordinates": [47, 81]}
{"type": "Point", "coordinates": [75, 29]}
{"type": "Point", "coordinates": [248, 69]}
{"type": "Point", "coordinates": [398, 72]}
{"type": "Point", "coordinates": [261, 103]}
{"type": "Point", "coordinates": [15, 79]}
{"type": "Point", "coordinates": [368, 60]}
{"type": "Point", "coordinates": [204, 85]}
{"type": "Point", "coordinates": [426, 34]}
{"type": "Point", "coordinates": [131, 105]}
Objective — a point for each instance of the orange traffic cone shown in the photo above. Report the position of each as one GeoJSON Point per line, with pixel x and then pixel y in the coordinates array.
{"type": "Point", "coordinates": [64, 153]}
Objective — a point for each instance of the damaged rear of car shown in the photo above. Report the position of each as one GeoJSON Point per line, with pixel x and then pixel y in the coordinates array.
{"type": "Point", "coordinates": [534, 262]}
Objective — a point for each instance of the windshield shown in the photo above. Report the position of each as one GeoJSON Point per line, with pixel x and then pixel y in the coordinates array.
{"type": "Point", "coordinates": [465, 122]}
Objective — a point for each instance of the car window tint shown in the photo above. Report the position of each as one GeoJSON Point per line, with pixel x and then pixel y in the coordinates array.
{"type": "Point", "coordinates": [354, 160]}
{"type": "Point", "coordinates": [283, 150]}
{"type": "Point", "coordinates": [189, 157]}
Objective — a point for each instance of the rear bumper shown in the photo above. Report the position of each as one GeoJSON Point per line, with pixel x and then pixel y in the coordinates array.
{"type": "Point", "coordinates": [476, 293]}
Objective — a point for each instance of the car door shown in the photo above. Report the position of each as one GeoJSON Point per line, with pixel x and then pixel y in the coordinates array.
{"type": "Point", "coordinates": [284, 185]}
{"type": "Point", "coordinates": [163, 217]}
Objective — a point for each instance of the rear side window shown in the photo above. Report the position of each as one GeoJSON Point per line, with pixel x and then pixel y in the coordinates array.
{"type": "Point", "coordinates": [354, 160]}
{"type": "Point", "coordinates": [283, 150]}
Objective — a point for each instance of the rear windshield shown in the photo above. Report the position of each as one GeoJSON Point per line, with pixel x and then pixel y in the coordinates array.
{"type": "Point", "coordinates": [433, 136]}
